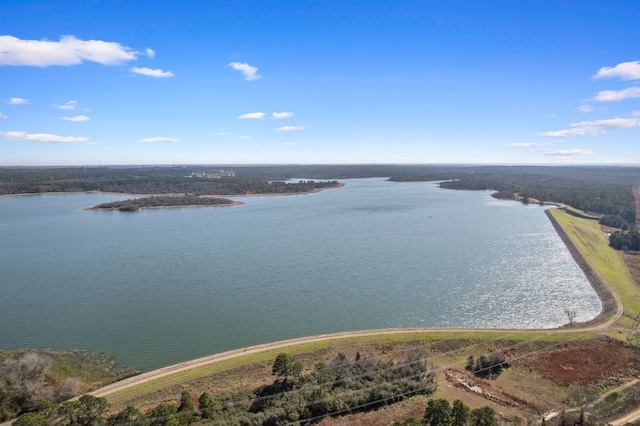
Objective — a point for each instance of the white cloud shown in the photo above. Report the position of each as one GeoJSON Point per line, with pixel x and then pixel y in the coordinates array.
{"type": "Point", "coordinates": [69, 105]}
{"type": "Point", "coordinates": [77, 118]}
{"type": "Point", "coordinates": [157, 73]}
{"type": "Point", "coordinates": [624, 70]}
{"type": "Point", "coordinates": [150, 52]}
{"type": "Point", "coordinates": [525, 145]}
{"type": "Point", "coordinates": [289, 143]}
{"type": "Point", "coordinates": [585, 108]}
{"type": "Point", "coordinates": [68, 51]}
{"type": "Point", "coordinates": [568, 152]}
{"type": "Point", "coordinates": [280, 115]}
{"type": "Point", "coordinates": [18, 101]}
{"type": "Point", "coordinates": [157, 139]}
{"type": "Point", "coordinates": [246, 137]}
{"type": "Point", "coordinates": [252, 116]}
{"type": "Point", "coordinates": [635, 113]}
{"type": "Point", "coordinates": [42, 137]}
{"type": "Point", "coordinates": [617, 95]}
{"type": "Point", "coordinates": [249, 72]}
{"type": "Point", "coordinates": [289, 128]}
{"type": "Point", "coordinates": [594, 127]}
{"type": "Point", "coordinates": [3, 117]}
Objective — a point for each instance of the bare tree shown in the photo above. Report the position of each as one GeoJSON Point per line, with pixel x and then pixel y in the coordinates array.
{"type": "Point", "coordinates": [571, 315]}
{"type": "Point", "coordinates": [582, 397]}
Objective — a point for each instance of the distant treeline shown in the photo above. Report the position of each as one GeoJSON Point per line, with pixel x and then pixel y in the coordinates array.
{"type": "Point", "coordinates": [135, 204]}
{"type": "Point", "coordinates": [145, 180]}
{"type": "Point", "coordinates": [603, 190]}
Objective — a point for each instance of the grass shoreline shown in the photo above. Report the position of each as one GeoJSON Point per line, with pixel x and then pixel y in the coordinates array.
{"type": "Point", "coordinates": [610, 304]}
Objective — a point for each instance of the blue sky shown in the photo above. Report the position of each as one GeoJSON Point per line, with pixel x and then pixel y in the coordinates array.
{"type": "Point", "coordinates": [309, 82]}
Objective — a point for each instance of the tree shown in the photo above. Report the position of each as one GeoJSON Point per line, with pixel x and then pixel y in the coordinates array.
{"type": "Point", "coordinates": [164, 415]}
{"type": "Point", "coordinates": [582, 397]}
{"type": "Point", "coordinates": [186, 402]}
{"type": "Point", "coordinates": [187, 408]}
{"type": "Point", "coordinates": [129, 416]}
{"type": "Point", "coordinates": [85, 411]}
{"type": "Point", "coordinates": [438, 413]}
{"type": "Point", "coordinates": [490, 365]}
{"type": "Point", "coordinates": [32, 419]}
{"type": "Point", "coordinates": [285, 366]}
{"type": "Point", "coordinates": [571, 315]}
{"type": "Point", "coordinates": [207, 405]}
{"type": "Point", "coordinates": [483, 416]}
{"type": "Point", "coordinates": [459, 413]}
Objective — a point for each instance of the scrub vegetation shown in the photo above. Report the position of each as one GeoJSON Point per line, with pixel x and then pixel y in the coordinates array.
{"type": "Point", "coordinates": [30, 377]}
{"type": "Point", "coordinates": [137, 204]}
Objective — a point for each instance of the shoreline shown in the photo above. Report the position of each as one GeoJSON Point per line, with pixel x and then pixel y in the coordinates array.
{"type": "Point", "coordinates": [126, 194]}
{"type": "Point", "coordinates": [611, 305]}
{"type": "Point", "coordinates": [110, 209]}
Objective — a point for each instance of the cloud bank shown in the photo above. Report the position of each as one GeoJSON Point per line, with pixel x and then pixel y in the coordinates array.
{"type": "Point", "coordinates": [18, 101]}
{"type": "Point", "coordinates": [249, 72]}
{"type": "Point", "coordinates": [252, 116]}
{"type": "Point", "coordinates": [568, 152]}
{"type": "Point", "coordinates": [524, 145]}
{"type": "Point", "coordinates": [68, 51]}
{"type": "Point", "coordinates": [77, 118]}
{"type": "Point", "coordinates": [290, 128]}
{"type": "Point", "coordinates": [157, 73]}
{"type": "Point", "coordinates": [617, 95]}
{"type": "Point", "coordinates": [280, 115]}
{"type": "Point", "coordinates": [69, 105]}
{"type": "Point", "coordinates": [42, 137]}
{"type": "Point", "coordinates": [157, 139]}
{"type": "Point", "coordinates": [595, 127]}
{"type": "Point", "coordinates": [624, 71]}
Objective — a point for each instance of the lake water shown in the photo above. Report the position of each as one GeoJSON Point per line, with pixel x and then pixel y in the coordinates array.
{"type": "Point", "coordinates": [162, 286]}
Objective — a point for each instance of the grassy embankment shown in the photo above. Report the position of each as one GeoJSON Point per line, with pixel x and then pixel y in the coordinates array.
{"type": "Point", "coordinates": [449, 347]}
{"type": "Point", "coordinates": [593, 244]}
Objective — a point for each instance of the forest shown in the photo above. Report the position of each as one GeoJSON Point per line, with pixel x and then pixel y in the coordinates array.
{"type": "Point", "coordinates": [598, 189]}
{"type": "Point", "coordinates": [145, 180]}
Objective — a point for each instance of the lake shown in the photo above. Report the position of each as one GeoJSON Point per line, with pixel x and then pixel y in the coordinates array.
{"type": "Point", "coordinates": [161, 286]}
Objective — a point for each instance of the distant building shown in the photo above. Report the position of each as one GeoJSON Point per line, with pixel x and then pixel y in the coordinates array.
{"type": "Point", "coordinates": [214, 175]}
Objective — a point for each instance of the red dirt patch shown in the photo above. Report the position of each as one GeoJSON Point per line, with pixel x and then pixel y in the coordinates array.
{"type": "Point", "coordinates": [587, 362]}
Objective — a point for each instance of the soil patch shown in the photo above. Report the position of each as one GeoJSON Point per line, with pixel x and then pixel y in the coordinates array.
{"type": "Point", "coordinates": [586, 362]}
